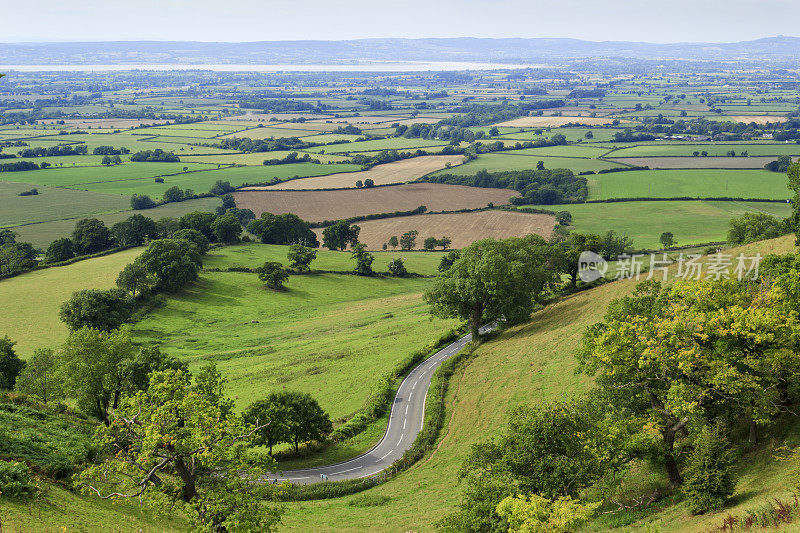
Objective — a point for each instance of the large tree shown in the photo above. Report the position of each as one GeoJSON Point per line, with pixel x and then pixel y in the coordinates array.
{"type": "Point", "coordinates": [39, 377]}
{"type": "Point", "coordinates": [172, 441]}
{"type": "Point", "coordinates": [96, 308]}
{"type": "Point", "coordinates": [227, 228]}
{"type": "Point", "coordinates": [10, 363]}
{"type": "Point", "coordinates": [134, 231]}
{"type": "Point", "coordinates": [90, 236]}
{"type": "Point", "coordinates": [92, 364]}
{"type": "Point", "coordinates": [339, 235]}
{"type": "Point", "coordinates": [283, 229]}
{"type": "Point", "coordinates": [300, 257]}
{"type": "Point", "coordinates": [173, 262]}
{"type": "Point", "coordinates": [493, 279]}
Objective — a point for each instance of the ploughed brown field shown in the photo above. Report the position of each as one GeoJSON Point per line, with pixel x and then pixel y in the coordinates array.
{"type": "Point", "coordinates": [396, 172]}
{"type": "Point", "coordinates": [462, 228]}
{"type": "Point", "coordinates": [318, 206]}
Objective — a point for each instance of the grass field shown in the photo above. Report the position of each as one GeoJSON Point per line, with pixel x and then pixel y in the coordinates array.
{"type": "Point", "coordinates": [690, 221]}
{"type": "Point", "coordinates": [331, 335]}
{"type": "Point", "coordinates": [52, 203]}
{"type": "Point", "coordinates": [692, 183]}
{"type": "Point", "coordinates": [395, 172]}
{"type": "Point", "coordinates": [696, 162]}
{"type": "Point", "coordinates": [29, 314]}
{"type": "Point", "coordinates": [254, 255]}
{"type": "Point", "coordinates": [527, 364]}
{"type": "Point", "coordinates": [716, 149]}
{"type": "Point", "coordinates": [497, 162]}
{"type": "Point", "coordinates": [318, 206]}
{"type": "Point", "coordinates": [462, 228]}
{"type": "Point", "coordinates": [43, 233]}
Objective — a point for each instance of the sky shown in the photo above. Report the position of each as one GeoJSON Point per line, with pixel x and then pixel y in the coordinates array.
{"type": "Point", "coordinates": [269, 20]}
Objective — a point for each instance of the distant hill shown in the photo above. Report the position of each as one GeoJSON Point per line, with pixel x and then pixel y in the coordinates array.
{"type": "Point", "coordinates": [774, 49]}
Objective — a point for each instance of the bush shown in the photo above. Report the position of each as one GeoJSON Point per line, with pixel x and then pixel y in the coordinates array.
{"type": "Point", "coordinates": [16, 479]}
{"type": "Point", "coordinates": [709, 471]}
{"type": "Point", "coordinates": [564, 218]}
{"type": "Point", "coordinates": [142, 201]}
{"type": "Point", "coordinates": [397, 268]}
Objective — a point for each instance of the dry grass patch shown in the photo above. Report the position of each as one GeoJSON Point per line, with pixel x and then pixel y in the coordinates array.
{"type": "Point", "coordinates": [462, 228]}
{"type": "Point", "coordinates": [318, 206]}
{"type": "Point", "coordinates": [396, 172]}
{"type": "Point", "coordinates": [758, 119]}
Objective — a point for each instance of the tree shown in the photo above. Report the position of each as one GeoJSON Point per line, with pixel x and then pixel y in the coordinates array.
{"type": "Point", "coordinates": [90, 236]}
{"type": "Point", "coordinates": [149, 359]}
{"type": "Point", "coordinates": [101, 309]}
{"type": "Point", "coordinates": [359, 184]}
{"type": "Point", "coordinates": [272, 415]}
{"type": "Point", "coordinates": [751, 227]}
{"type": "Point", "coordinates": [59, 250]}
{"type": "Point", "coordinates": [667, 239]}
{"type": "Point", "coordinates": [363, 259]}
{"type": "Point", "coordinates": [306, 421]}
{"type": "Point", "coordinates": [552, 451]}
{"type": "Point", "coordinates": [173, 429]}
{"type": "Point", "coordinates": [540, 165]}
{"type": "Point", "coordinates": [134, 231]}
{"type": "Point", "coordinates": [447, 260]}
{"type": "Point", "coordinates": [167, 226]}
{"type": "Point", "coordinates": [283, 229]}
{"type": "Point", "coordinates": [408, 240]}
{"type": "Point", "coordinates": [8, 236]}
{"type": "Point", "coordinates": [430, 243]}
{"type": "Point", "coordinates": [445, 243]}
{"type": "Point", "coordinates": [710, 479]}
{"type": "Point", "coordinates": [134, 278]}
{"type": "Point", "coordinates": [92, 364]}
{"type": "Point", "coordinates": [339, 235]}
{"type": "Point", "coordinates": [227, 229]}
{"type": "Point", "coordinates": [173, 194]}
{"type": "Point", "coordinates": [572, 248]}
{"type": "Point", "coordinates": [39, 377]}
{"type": "Point", "coordinates": [142, 201]}
{"type": "Point", "coordinates": [493, 279]}
{"type": "Point", "coordinates": [10, 364]}
{"type": "Point", "coordinates": [221, 187]}
{"type": "Point", "coordinates": [195, 237]}
{"type": "Point", "coordinates": [393, 242]}
{"type": "Point", "coordinates": [397, 268]}
{"type": "Point", "coordinates": [300, 257]}
{"type": "Point", "coordinates": [564, 218]}
{"type": "Point", "coordinates": [228, 202]}
{"type": "Point", "coordinates": [199, 221]}
{"type": "Point", "coordinates": [369, 183]}
{"type": "Point", "coordinates": [173, 262]}
{"type": "Point", "coordinates": [106, 160]}
{"type": "Point", "coordinates": [272, 274]}
{"type": "Point", "coordinates": [17, 257]}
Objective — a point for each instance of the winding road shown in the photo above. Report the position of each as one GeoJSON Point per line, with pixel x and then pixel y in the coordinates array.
{"type": "Point", "coordinates": [405, 423]}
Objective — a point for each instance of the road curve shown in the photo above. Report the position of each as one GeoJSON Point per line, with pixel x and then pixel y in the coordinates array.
{"type": "Point", "coordinates": [405, 423]}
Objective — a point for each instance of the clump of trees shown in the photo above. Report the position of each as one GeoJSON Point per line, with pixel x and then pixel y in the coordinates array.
{"type": "Point", "coordinates": [340, 235]}
{"type": "Point", "coordinates": [751, 227]}
{"type": "Point", "coordinates": [155, 156]}
{"type": "Point", "coordinates": [283, 229]}
{"type": "Point", "coordinates": [288, 417]}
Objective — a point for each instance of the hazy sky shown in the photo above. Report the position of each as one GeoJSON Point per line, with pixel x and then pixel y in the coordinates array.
{"type": "Point", "coordinates": [265, 20]}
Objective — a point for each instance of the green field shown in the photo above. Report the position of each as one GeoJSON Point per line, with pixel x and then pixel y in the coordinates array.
{"type": "Point", "coordinates": [692, 222]}
{"type": "Point", "coordinates": [52, 203]}
{"type": "Point", "coordinates": [698, 183]}
{"type": "Point", "coordinates": [29, 314]}
{"type": "Point", "coordinates": [718, 149]}
{"type": "Point", "coordinates": [90, 177]}
{"type": "Point", "coordinates": [498, 162]}
{"type": "Point", "coordinates": [254, 255]}
{"type": "Point", "coordinates": [331, 335]}
{"type": "Point", "coordinates": [43, 233]}
{"type": "Point", "coordinates": [396, 143]}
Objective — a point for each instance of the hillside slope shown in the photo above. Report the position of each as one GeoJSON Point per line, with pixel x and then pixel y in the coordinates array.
{"type": "Point", "coordinates": [530, 363]}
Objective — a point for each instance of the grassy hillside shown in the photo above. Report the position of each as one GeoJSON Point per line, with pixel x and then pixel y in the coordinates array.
{"type": "Point", "coordinates": [31, 301]}
{"type": "Point", "coordinates": [331, 335]}
{"type": "Point", "coordinates": [525, 364]}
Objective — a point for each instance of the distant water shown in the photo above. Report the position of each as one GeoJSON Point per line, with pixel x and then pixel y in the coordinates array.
{"type": "Point", "coordinates": [404, 66]}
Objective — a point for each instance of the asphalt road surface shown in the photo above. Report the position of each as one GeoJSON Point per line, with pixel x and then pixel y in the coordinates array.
{"type": "Point", "coordinates": [405, 423]}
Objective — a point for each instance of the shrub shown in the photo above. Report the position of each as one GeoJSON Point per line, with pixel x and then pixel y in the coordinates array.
{"type": "Point", "coordinates": [564, 218]}
{"type": "Point", "coordinates": [709, 471]}
{"type": "Point", "coordinates": [397, 268]}
{"type": "Point", "coordinates": [16, 479]}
